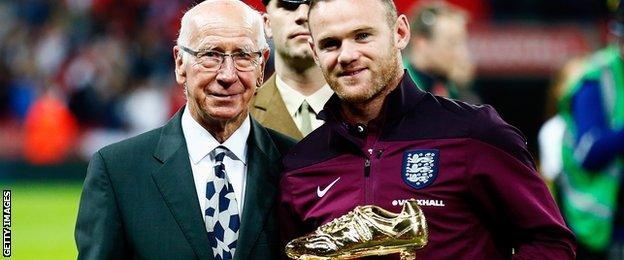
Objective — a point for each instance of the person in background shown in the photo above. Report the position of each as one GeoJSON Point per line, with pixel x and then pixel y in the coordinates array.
{"type": "Point", "coordinates": [593, 151]}
{"type": "Point", "coordinates": [437, 56]}
{"type": "Point", "coordinates": [551, 133]}
{"type": "Point", "coordinates": [385, 141]}
{"type": "Point", "coordinates": [204, 185]}
{"type": "Point", "coordinates": [292, 98]}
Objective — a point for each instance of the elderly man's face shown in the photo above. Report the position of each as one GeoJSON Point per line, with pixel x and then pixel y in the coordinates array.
{"type": "Point", "coordinates": [357, 50]}
{"type": "Point", "coordinates": [287, 24]}
{"type": "Point", "coordinates": [222, 95]}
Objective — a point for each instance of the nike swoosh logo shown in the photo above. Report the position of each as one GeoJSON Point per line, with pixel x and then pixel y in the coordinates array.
{"type": "Point", "coordinates": [321, 192]}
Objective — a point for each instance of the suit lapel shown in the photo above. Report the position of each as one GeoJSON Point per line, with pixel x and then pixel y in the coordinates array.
{"type": "Point", "coordinates": [261, 189]}
{"type": "Point", "coordinates": [274, 115]}
{"type": "Point", "coordinates": [176, 185]}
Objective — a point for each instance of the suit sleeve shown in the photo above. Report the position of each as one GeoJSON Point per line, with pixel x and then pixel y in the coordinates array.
{"type": "Point", "coordinates": [515, 201]}
{"type": "Point", "coordinates": [99, 231]}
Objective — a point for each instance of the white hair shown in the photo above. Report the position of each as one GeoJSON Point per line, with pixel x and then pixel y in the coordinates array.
{"type": "Point", "coordinates": [251, 15]}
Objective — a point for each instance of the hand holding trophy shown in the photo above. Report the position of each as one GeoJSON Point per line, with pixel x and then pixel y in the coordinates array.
{"type": "Point", "coordinates": [365, 231]}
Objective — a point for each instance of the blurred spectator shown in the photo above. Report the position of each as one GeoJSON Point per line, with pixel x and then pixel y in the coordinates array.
{"type": "Point", "coordinates": [551, 133]}
{"type": "Point", "coordinates": [50, 131]}
{"type": "Point", "coordinates": [593, 149]}
{"type": "Point", "coordinates": [437, 57]}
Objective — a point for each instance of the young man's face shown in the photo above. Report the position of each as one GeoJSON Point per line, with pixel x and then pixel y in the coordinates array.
{"type": "Point", "coordinates": [287, 24]}
{"type": "Point", "coordinates": [356, 48]}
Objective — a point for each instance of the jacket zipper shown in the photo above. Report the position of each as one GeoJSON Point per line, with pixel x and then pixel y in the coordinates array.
{"type": "Point", "coordinates": [367, 165]}
{"type": "Point", "coordinates": [368, 192]}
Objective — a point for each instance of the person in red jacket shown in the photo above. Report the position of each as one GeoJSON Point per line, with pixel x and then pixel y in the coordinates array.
{"type": "Point", "coordinates": [385, 141]}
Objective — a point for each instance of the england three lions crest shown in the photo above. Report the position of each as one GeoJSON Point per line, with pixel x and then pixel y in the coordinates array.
{"type": "Point", "coordinates": [420, 167]}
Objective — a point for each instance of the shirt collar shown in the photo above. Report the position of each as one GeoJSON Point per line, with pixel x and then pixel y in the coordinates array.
{"type": "Point", "coordinates": [293, 99]}
{"type": "Point", "coordinates": [201, 143]}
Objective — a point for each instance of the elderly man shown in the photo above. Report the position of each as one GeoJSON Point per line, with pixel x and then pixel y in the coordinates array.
{"type": "Point", "coordinates": [385, 142]}
{"type": "Point", "coordinates": [204, 185]}
{"type": "Point", "coordinates": [292, 98]}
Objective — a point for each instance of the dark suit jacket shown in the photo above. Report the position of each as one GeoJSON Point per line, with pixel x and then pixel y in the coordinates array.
{"type": "Point", "coordinates": [269, 109]}
{"type": "Point", "coordinates": [139, 199]}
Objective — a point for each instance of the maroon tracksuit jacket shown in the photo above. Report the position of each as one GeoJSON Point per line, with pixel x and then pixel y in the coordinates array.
{"type": "Point", "coordinates": [469, 170]}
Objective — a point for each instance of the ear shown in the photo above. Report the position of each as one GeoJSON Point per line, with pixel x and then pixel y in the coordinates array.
{"type": "Point", "coordinates": [267, 25]}
{"type": "Point", "coordinates": [312, 47]}
{"type": "Point", "coordinates": [402, 32]}
{"type": "Point", "coordinates": [265, 58]}
{"type": "Point", "coordinates": [180, 71]}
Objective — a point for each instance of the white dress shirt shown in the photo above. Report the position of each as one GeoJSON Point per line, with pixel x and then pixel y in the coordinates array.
{"type": "Point", "coordinates": [293, 100]}
{"type": "Point", "coordinates": [201, 145]}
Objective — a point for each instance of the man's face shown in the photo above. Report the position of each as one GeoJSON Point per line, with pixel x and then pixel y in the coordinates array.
{"type": "Point", "coordinates": [287, 24]}
{"type": "Point", "coordinates": [357, 50]}
{"type": "Point", "coordinates": [222, 95]}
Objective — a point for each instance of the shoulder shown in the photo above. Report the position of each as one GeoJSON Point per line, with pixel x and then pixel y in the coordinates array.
{"type": "Point", "coordinates": [488, 127]}
{"type": "Point", "coordinates": [282, 142]}
{"type": "Point", "coordinates": [460, 119]}
{"type": "Point", "coordinates": [265, 93]}
{"type": "Point", "coordinates": [443, 118]}
{"type": "Point", "coordinates": [140, 144]}
{"type": "Point", "coordinates": [599, 61]}
{"type": "Point", "coordinates": [271, 142]}
{"type": "Point", "coordinates": [316, 147]}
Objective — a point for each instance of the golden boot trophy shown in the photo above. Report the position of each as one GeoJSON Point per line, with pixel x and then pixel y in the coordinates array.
{"type": "Point", "coordinates": [365, 231]}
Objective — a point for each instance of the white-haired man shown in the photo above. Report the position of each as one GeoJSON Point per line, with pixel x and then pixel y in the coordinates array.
{"type": "Point", "coordinates": [203, 186]}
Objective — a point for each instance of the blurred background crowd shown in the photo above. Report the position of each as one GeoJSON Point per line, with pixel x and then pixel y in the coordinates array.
{"type": "Point", "coordinates": [76, 75]}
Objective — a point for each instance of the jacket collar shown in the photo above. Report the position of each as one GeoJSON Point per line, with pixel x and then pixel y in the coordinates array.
{"type": "Point", "coordinates": [175, 182]}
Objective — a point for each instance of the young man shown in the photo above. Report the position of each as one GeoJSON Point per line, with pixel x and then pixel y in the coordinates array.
{"type": "Point", "coordinates": [203, 186]}
{"type": "Point", "coordinates": [292, 98]}
{"type": "Point", "coordinates": [385, 141]}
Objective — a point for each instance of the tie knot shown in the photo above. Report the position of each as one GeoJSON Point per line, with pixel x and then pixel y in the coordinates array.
{"type": "Point", "coordinates": [219, 154]}
{"type": "Point", "coordinates": [305, 107]}
{"type": "Point", "coordinates": [305, 116]}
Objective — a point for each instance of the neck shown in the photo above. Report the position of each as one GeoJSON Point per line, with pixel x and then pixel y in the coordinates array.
{"type": "Point", "coordinates": [302, 75]}
{"type": "Point", "coordinates": [220, 129]}
{"type": "Point", "coordinates": [364, 112]}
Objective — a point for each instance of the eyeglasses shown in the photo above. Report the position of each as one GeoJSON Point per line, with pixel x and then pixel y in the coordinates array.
{"type": "Point", "coordinates": [212, 60]}
{"type": "Point", "coordinates": [292, 5]}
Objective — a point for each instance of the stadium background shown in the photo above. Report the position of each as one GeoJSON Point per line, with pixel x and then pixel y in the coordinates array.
{"type": "Point", "coordinates": [78, 74]}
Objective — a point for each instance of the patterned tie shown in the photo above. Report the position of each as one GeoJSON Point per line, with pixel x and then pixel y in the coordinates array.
{"type": "Point", "coordinates": [222, 220]}
{"type": "Point", "coordinates": [306, 123]}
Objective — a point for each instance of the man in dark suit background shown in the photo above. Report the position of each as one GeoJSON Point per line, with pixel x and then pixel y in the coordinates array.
{"type": "Point", "coordinates": [279, 103]}
{"type": "Point", "coordinates": [205, 184]}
